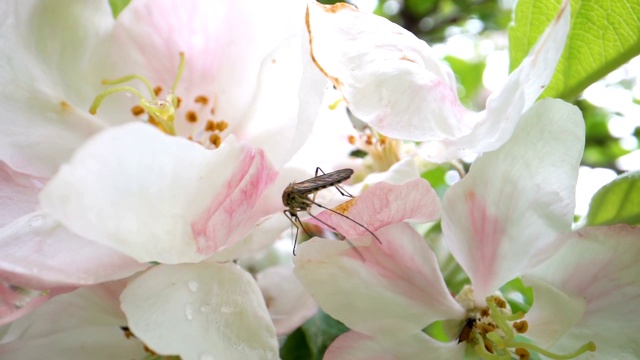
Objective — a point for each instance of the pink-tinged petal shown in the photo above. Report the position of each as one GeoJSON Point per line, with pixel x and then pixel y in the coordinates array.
{"type": "Point", "coordinates": [357, 346]}
{"type": "Point", "coordinates": [494, 126]}
{"type": "Point", "coordinates": [600, 265]}
{"type": "Point", "coordinates": [288, 303]}
{"type": "Point", "coordinates": [205, 310]}
{"type": "Point", "coordinates": [39, 253]}
{"type": "Point", "coordinates": [16, 302]}
{"type": "Point", "coordinates": [395, 288]}
{"type": "Point", "coordinates": [43, 89]}
{"type": "Point", "coordinates": [18, 193]}
{"type": "Point", "coordinates": [83, 324]}
{"type": "Point", "coordinates": [383, 204]}
{"type": "Point", "coordinates": [156, 197]}
{"type": "Point", "coordinates": [518, 197]}
{"type": "Point", "coordinates": [391, 79]}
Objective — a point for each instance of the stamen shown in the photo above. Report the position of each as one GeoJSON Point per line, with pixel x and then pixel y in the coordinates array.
{"type": "Point", "coordinates": [335, 104]}
{"type": "Point", "coordinates": [210, 126]}
{"type": "Point", "coordinates": [351, 139]}
{"type": "Point", "coordinates": [191, 116]}
{"type": "Point", "coordinates": [521, 326]}
{"type": "Point", "coordinates": [157, 90]}
{"type": "Point", "coordinates": [201, 99]}
{"type": "Point", "coordinates": [221, 125]}
{"type": "Point", "coordinates": [215, 140]}
{"type": "Point", "coordinates": [179, 102]}
{"type": "Point", "coordinates": [137, 110]}
{"type": "Point", "coordinates": [523, 354]}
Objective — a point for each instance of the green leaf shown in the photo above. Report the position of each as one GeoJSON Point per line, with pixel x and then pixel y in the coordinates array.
{"type": "Point", "coordinates": [117, 6]}
{"type": "Point", "coordinates": [470, 76]}
{"type": "Point", "coordinates": [603, 36]}
{"type": "Point", "coordinates": [618, 202]}
{"type": "Point", "coordinates": [313, 338]}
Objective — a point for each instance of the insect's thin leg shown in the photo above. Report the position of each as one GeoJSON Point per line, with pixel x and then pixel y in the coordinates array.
{"type": "Point", "coordinates": [293, 218]}
{"type": "Point", "coordinates": [346, 217]}
{"type": "Point", "coordinates": [318, 169]}
{"type": "Point", "coordinates": [345, 238]}
{"type": "Point", "coordinates": [342, 191]}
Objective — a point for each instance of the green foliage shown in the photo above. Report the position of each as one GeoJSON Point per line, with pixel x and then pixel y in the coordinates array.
{"type": "Point", "coordinates": [603, 36]}
{"type": "Point", "coordinates": [601, 149]}
{"type": "Point", "coordinates": [311, 340]}
{"type": "Point", "coordinates": [519, 296]}
{"type": "Point", "coordinates": [617, 202]}
{"type": "Point", "coordinates": [469, 75]}
{"type": "Point", "coordinates": [117, 6]}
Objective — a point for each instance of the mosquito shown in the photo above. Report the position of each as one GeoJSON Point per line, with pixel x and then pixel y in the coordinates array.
{"type": "Point", "coordinates": [296, 198]}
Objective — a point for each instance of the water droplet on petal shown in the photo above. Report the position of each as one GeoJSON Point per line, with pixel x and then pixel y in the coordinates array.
{"type": "Point", "coordinates": [227, 309]}
{"type": "Point", "coordinates": [36, 221]}
{"type": "Point", "coordinates": [193, 285]}
{"type": "Point", "coordinates": [188, 311]}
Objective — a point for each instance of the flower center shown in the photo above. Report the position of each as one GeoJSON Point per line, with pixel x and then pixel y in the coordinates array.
{"type": "Point", "coordinates": [164, 113]}
{"type": "Point", "coordinates": [494, 332]}
{"type": "Point", "coordinates": [384, 151]}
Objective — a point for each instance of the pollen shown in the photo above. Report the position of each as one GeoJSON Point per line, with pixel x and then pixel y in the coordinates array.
{"type": "Point", "coordinates": [221, 125]}
{"type": "Point", "coordinates": [521, 326]}
{"type": "Point", "coordinates": [210, 126]}
{"type": "Point", "coordinates": [191, 116]}
{"type": "Point", "coordinates": [137, 110]}
{"type": "Point", "coordinates": [157, 90]}
{"type": "Point", "coordinates": [351, 139]}
{"type": "Point", "coordinates": [523, 354]}
{"type": "Point", "coordinates": [215, 139]}
{"type": "Point", "coordinates": [202, 100]}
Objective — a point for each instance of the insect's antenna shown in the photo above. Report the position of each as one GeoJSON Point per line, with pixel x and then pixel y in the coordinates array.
{"type": "Point", "coordinates": [344, 216]}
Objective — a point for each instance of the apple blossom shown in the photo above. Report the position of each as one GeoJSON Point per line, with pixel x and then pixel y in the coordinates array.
{"type": "Point", "coordinates": [394, 82]}
{"type": "Point", "coordinates": [226, 105]}
{"type": "Point", "coordinates": [509, 218]}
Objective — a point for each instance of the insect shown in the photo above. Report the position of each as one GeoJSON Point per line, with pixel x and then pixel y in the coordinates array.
{"type": "Point", "coordinates": [467, 329]}
{"type": "Point", "coordinates": [296, 198]}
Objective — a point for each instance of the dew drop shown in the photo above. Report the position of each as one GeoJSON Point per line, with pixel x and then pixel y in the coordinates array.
{"type": "Point", "coordinates": [188, 311]}
{"type": "Point", "coordinates": [226, 309]}
{"type": "Point", "coordinates": [36, 221]}
{"type": "Point", "coordinates": [193, 285]}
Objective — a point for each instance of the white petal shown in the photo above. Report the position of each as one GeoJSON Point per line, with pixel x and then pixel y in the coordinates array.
{"type": "Point", "coordinates": [83, 324]}
{"type": "Point", "coordinates": [156, 197]}
{"type": "Point", "coordinates": [504, 216]}
{"type": "Point", "coordinates": [395, 288]}
{"type": "Point", "coordinates": [18, 193]}
{"type": "Point", "coordinates": [391, 79]}
{"type": "Point", "coordinates": [197, 311]}
{"type": "Point", "coordinates": [39, 253]}
{"type": "Point", "coordinates": [599, 264]}
{"type": "Point", "coordinates": [43, 83]}
{"type": "Point", "coordinates": [494, 126]}
{"type": "Point", "coordinates": [356, 346]}
{"type": "Point", "coordinates": [288, 303]}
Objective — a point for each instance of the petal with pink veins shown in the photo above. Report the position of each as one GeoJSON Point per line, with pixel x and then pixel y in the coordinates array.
{"type": "Point", "coordinates": [39, 253]}
{"type": "Point", "coordinates": [357, 346]}
{"type": "Point", "coordinates": [599, 265]}
{"type": "Point", "coordinates": [383, 204]}
{"type": "Point", "coordinates": [288, 302]}
{"type": "Point", "coordinates": [196, 311]}
{"type": "Point", "coordinates": [158, 198]}
{"type": "Point", "coordinates": [84, 324]}
{"type": "Point", "coordinates": [520, 196]}
{"type": "Point", "coordinates": [18, 193]}
{"type": "Point", "coordinates": [393, 289]}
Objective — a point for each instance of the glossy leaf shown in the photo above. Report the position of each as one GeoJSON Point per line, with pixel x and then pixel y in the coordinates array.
{"type": "Point", "coordinates": [617, 202]}
{"type": "Point", "coordinates": [603, 36]}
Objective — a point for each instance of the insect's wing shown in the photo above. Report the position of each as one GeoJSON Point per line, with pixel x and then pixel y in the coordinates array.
{"type": "Point", "coordinates": [322, 181]}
